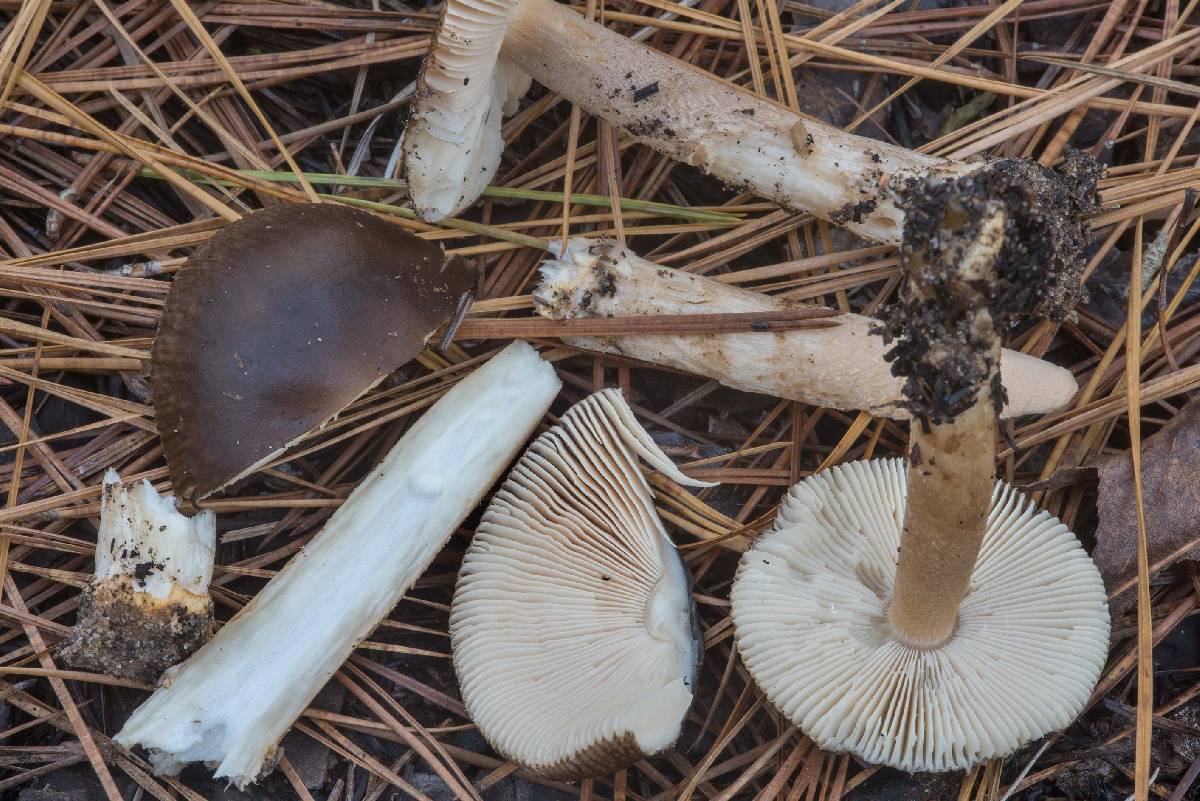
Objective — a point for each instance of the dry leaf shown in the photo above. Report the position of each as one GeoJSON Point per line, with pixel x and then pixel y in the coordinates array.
{"type": "Point", "coordinates": [1171, 497]}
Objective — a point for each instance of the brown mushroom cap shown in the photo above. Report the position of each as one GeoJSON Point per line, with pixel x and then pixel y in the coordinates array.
{"type": "Point", "coordinates": [278, 323]}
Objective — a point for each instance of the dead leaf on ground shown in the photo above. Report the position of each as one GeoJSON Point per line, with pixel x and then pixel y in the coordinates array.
{"type": "Point", "coordinates": [1171, 495]}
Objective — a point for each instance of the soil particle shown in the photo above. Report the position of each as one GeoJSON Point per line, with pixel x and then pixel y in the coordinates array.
{"type": "Point", "coordinates": [120, 634]}
{"type": "Point", "coordinates": [142, 570]}
{"type": "Point", "coordinates": [889, 784]}
{"type": "Point", "coordinates": [852, 212]}
{"type": "Point", "coordinates": [1088, 780]}
{"type": "Point", "coordinates": [941, 345]}
{"type": "Point", "coordinates": [645, 92]}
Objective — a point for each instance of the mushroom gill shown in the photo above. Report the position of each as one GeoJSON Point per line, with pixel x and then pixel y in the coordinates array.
{"type": "Point", "coordinates": [810, 611]}
{"type": "Point", "coordinates": [573, 628]}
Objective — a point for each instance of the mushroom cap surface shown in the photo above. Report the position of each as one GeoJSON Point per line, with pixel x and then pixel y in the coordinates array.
{"type": "Point", "coordinates": [810, 611]}
{"type": "Point", "coordinates": [573, 628]}
{"type": "Point", "coordinates": [452, 142]}
{"type": "Point", "coordinates": [279, 322]}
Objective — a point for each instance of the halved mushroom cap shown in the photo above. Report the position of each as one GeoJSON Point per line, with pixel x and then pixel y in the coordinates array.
{"type": "Point", "coordinates": [452, 143]}
{"type": "Point", "coordinates": [810, 611]}
{"type": "Point", "coordinates": [281, 320]}
{"type": "Point", "coordinates": [572, 625]}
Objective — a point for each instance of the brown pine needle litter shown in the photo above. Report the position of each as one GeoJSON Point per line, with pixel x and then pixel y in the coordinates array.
{"type": "Point", "coordinates": [131, 132]}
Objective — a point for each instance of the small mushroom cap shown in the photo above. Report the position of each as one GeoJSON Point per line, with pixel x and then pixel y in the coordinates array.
{"type": "Point", "coordinates": [281, 320]}
{"type": "Point", "coordinates": [572, 625]}
{"type": "Point", "coordinates": [810, 606]}
{"type": "Point", "coordinates": [452, 144]}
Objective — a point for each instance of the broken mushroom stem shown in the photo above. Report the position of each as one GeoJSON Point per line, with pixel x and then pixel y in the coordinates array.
{"type": "Point", "coordinates": [951, 468]}
{"type": "Point", "coordinates": [689, 115]}
{"type": "Point", "coordinates": [147, 605]}
{"type": "Point", "coordinates": [485, 50]}
{"type": "Point", "coordinates": [842, 367]}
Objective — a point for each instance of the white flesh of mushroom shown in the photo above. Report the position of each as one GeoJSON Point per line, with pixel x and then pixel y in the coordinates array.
{"type": "Point", "coordinates": [236, 697]}
{"type": "Point", "coordinates": [810, 610]}
{"type": "Point", "coordinates": [137, 525]}
{"type": "Point", "coordinates": [841, 367]}
{"type": "Point", "coordinates": [452, 144]}
{"type": "Point", "coordinates": [147, 605]}
{"type": "Point", "coordinates": [572, 620]}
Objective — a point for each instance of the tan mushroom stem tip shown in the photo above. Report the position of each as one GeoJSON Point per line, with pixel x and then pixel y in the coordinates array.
{"type": "Point", "coordinates": [841, 368]}
{"type": "Point", "coordinates": [810, 610]}
{"type": "Point", "coordinates": [692, 116]}
{"type": "Point", "coordinates": [572, 622]}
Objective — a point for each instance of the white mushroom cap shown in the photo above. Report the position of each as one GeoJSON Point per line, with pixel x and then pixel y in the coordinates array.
{"type": "Point", "coordinates": [810, 611]}
{"type": "Point", "coordinates": [452, 144]}
{"type": "Point", "coordinates": [572, 623]}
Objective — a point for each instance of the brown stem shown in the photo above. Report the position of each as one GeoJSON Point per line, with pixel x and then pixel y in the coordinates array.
{"type": "Point", "coordinates": [951, 469]}
{"type": "Point", "coordinates": [950, 475]}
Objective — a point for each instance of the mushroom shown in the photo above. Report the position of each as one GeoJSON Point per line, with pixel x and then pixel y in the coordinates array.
{"type": "Point", "coordinates": [993, 628]}
{"type": "Point", "coordinates": [574, 633]}
{"type": "Point", "coordinates": [484, 51]}
{"type": "Point", "coordinates": [147, 605]}
{"type": "Point", "coordinates": [281, 320]}
{"type": "Point", "coordinates": [843, 367]}
{"type": "Point", "coordinates": [233, 700]}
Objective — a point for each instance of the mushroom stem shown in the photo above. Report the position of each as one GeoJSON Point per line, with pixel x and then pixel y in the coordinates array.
{"type": "Point", "coordinates": [147, 605]}
{"type": "Point", "coordinates": [236, 697]}
{"type": "Point", "coordinates": [691, 116]}
{"type": "Point", "coordinates": [952, 463]}
{"type": "Point", "coordinates": [842, 367]}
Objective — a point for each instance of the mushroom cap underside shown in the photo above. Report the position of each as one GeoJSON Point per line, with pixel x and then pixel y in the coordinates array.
{"type": "Point", "coordinates": [278, 323]}
{"type": "Point", "coordinates": [572, 624]}
{"type": "Point", "coordinates": [810, 611]}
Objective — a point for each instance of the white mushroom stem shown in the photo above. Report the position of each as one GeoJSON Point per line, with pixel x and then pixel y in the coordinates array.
{"type": "Point", "coordinates": [452, 144]}
{"type": "Point", "coordinates": [147, 605]}
{"type": "Point", "coordinates": [143, 538]}
{"type": "Point", "coordinates": [842, 367]}
{"type": "Point", "coordinates": [236, 697]}
{"type": "Point", "coordinates": [951, 473]}
{"type": "Point", "coordinates": [689, 115]}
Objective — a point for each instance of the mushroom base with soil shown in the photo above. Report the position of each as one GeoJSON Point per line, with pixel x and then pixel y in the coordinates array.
{"type": "Point", "coordinates": [122, 632]}
{"type": "Point", "coordinates": [147, 606]}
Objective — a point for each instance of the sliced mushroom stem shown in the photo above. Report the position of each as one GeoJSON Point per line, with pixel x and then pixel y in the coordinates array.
{"type": "Point", "coordinates": [842, 367]}
{"type": "Point", "coordinates": [147, 606]}
{"type": "Point", "coordinates": [687, 114]}
{"type": "Point", "coordinates": [952, 464]}
{"type": "Point", "coordinates": [236, 697]}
